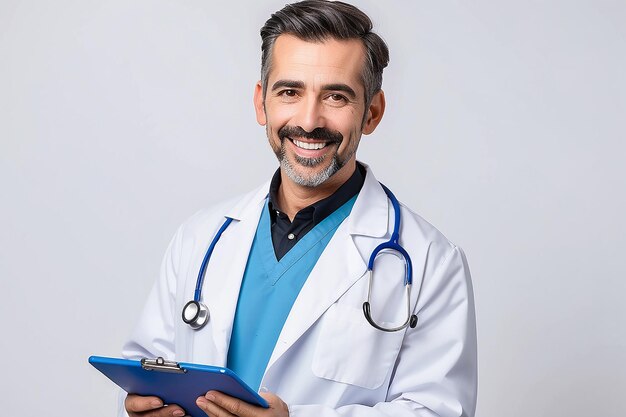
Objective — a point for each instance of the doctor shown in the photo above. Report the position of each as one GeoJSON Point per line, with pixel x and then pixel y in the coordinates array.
{"type": "Point", "coordinates": [286, 281]}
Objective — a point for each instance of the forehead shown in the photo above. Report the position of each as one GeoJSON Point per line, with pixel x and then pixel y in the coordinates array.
{"type": "Point", "coordinates": [330, 61]}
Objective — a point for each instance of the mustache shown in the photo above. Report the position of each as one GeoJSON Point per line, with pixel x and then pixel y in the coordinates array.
{"type": "Point", "coordinates": [317, 133]}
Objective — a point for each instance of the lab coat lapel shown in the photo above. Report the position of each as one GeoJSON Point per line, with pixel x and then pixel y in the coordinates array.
{"type": "Point", "coordinates": [342, 263]}
{"type": "Point", "coordinates": [226, 269]}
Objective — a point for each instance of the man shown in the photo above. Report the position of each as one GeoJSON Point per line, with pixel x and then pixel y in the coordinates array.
{"type": "Point", "coordinates": [287, 279]}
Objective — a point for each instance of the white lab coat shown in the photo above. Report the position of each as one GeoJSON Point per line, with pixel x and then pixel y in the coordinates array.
{"type": "Point", "coordinates": [328, 361]}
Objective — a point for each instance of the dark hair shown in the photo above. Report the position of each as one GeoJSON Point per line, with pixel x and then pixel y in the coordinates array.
{"type": "Point", "coordinates": [318, 20]}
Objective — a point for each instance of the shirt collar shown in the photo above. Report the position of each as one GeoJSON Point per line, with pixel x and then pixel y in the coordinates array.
{"type": "Point", "coordinates": [322, 208]}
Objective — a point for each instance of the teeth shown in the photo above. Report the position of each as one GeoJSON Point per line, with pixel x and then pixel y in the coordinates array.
{"type": "Point", "coordinates": [307, 145]}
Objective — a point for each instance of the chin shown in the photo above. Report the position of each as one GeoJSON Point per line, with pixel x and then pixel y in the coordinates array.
{"type": "Point", "coordinates": [308, 177]}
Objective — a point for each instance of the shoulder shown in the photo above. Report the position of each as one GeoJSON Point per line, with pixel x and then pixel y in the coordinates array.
{"type": "Point", "coordinates": [421, 229]}
{"type": "Point", "coordinates": [208, 220]}
{"type": "Point", "coordinates": [417, 235]}
{"type": "Point", "coordinates": [421, 237]}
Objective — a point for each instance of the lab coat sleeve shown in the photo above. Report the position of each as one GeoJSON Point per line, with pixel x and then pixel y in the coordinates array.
{"type": "Point", "coordinates": [435, 374]}
{"type": "Point", "coordinates": [153, 335]}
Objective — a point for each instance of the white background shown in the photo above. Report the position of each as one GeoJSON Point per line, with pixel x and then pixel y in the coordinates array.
{"type": "Point", "coordinates": [504, 128]}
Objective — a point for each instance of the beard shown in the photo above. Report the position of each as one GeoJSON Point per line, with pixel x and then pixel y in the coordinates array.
{"type": "Point", "coordinates": [315, 179]}
{"type": "Point", "coordinates": [291, 167]}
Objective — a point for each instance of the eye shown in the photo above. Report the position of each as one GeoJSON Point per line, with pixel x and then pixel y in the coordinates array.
{"type": "Point", "coordinates": [337, 100]}
{"type": "Point", "coordinates": [337, 97]}
{"type": "Point", "coordinates": [288, 95]}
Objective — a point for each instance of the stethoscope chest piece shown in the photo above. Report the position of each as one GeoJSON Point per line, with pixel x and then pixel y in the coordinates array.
{"type": "Point", "coordinates": [195, 314]}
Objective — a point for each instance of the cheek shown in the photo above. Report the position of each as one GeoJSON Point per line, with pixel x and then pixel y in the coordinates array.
{"type": "Point", "coordinates": [350, 125]}
{"type": "Point", "coordinates": [279, 115]}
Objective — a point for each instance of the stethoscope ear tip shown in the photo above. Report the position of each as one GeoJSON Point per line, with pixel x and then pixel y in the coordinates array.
{"type": "Point", "coordinates": [413, 321]}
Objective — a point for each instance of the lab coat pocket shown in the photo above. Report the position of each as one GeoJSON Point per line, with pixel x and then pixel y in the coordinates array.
{"type": "Point", "coordinates": [351, 351]}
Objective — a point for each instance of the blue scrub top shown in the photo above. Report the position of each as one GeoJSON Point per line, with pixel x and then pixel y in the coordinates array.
{"type": "Point", "coordinates": [268, 290]}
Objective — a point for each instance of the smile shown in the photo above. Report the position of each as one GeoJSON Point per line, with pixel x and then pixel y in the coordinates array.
{"type": "Point", "coordinates": [309, 145]}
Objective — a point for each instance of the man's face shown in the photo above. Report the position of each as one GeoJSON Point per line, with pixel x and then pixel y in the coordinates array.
{"type": "Point", "coordinates": [314, 109]}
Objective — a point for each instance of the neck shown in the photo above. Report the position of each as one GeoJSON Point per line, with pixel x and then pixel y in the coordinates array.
{"type": "Point", "coordinates": [293, 197]}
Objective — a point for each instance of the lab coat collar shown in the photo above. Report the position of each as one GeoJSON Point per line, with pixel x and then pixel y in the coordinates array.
{"type": "Point", "coordinates": [248, 205]}
{"type": "Point", "coordinates": [369, 216]}
{"type": "Point", "coordinates": [340, 266]}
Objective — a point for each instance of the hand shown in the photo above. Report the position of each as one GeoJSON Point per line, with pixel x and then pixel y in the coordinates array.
{"type": "Point", "coordinates": [217, 404]}
{"type": "Point", "coordinates": [138, 406]}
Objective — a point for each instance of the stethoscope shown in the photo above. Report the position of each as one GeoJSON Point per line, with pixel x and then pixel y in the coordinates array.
{"type": "Point", "coordinates": [196, 313]}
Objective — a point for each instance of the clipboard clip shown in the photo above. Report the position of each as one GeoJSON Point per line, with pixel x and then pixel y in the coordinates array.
{"type": "Point", "coordinates": [160, 364]}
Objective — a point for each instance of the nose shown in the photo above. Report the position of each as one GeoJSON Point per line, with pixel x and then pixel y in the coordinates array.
{"type": "Point", "coordinates": [310, 114]}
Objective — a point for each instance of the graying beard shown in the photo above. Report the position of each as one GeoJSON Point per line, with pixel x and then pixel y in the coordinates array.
{"type": "Point", "coordinates": [316, 179]}
{"type": "Point", "coordinates": [309, 162]}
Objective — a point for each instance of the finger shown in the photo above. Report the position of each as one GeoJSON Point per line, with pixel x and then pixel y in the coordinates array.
{"type": "Point", "coordinates": [233, 406]}
{"type": "Point", "coordinates": [166, 411]}
{"type": "Point", "coordinates": [272, 399]}
{"type": "Point", "coordinates": [137, 405]}
{"type": "Point", "coordinates": [211, 409]}
{"type": "Point", "coordinates": [274, 402]}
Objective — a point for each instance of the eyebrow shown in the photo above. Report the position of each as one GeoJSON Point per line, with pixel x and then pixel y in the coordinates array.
{"type": "Point", "coordinates": [287, 84]}
{"type": "Point", "coordinates": [328, 87]}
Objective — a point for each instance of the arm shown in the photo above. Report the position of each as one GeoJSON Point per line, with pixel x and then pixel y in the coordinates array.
{"type": "Point", "coordinates": [156, 319]}
{"type": "Point", "coordinates": [154, 333]}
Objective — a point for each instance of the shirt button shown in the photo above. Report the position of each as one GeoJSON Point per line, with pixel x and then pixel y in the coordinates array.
{"type": "Point", "coordinates": [291, 236]}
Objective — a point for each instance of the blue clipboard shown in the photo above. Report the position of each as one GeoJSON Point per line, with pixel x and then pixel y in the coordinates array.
{"type": "Point", "coordinates": [175, 383]}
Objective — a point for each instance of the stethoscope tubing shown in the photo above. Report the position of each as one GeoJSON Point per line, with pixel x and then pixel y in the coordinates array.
{"type": "Point", "coordinates": [391, 245]}
{"type": "Point", "coordinates": [198, 292]}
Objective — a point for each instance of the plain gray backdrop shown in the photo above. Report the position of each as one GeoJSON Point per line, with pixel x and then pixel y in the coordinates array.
{"type": "Point", "coordinates": [504, 128]}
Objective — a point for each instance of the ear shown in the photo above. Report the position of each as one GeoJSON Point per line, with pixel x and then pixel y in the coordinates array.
{"type": "Point", "coordinates": [259, 108]}
{"type": "Point", "coordinates": [374, 113]}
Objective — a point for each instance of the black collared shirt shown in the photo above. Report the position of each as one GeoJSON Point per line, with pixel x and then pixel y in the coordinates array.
{"type": "Point", "coordinates": [285, 233]}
